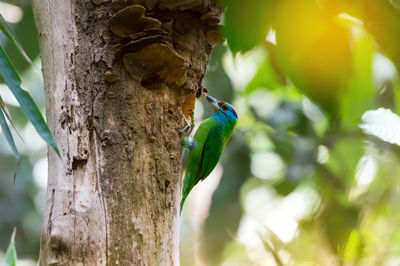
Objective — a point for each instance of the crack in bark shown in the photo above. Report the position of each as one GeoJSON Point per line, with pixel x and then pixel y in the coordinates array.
{"type": "Point", "coordinates": [49, 223]}
{"type": "Point", "coordinates": [52, 51]}
{"type": "Point", "coordinates": [78, 163]}
{"type": "Point", "coordinates": [93, 140]}
{"type": "Point", "coordinates": [74, 211]}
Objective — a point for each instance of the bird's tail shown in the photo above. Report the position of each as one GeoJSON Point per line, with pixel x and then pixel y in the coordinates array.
{"type": "Point", "coordinates": [185, 192]}
{"type": "Point", "coordinates": [182, 201]}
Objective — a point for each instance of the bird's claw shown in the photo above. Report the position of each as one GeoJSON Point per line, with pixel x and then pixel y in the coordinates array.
{"type": "Point", "coordinates": [189, 126]}
{"type": "Point", "coordinates": [184, 129]}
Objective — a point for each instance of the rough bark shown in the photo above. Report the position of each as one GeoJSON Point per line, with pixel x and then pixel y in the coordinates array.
{"type": "Point", "coordinates": [115, 110]}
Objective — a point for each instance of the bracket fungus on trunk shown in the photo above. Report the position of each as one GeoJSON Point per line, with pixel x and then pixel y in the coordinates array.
{"type": "Point", "coordinates": [131, 20]}
{"type": "Point", "coordinates": [137, 42]}
{"type": "Point", "coordinates": [146, 48]}
{"type": "Point", "coordinates": [178, 4]}
{"type": "Point", "coordinates": [120, 4]}
{"type": "Point", "coordinates": [111, 77]}
{"type": "Point", "coordinates": [214, 36]}
{"type": "Point", "coordinates": [155, 43]}
{"type": "Point", "coordinates": [210, 18]}
{"type": "Point", "coordinates": [157, 61]}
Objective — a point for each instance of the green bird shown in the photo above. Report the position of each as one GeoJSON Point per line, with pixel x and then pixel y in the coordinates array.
{"type": "Point", "coordinates": [207, 145]}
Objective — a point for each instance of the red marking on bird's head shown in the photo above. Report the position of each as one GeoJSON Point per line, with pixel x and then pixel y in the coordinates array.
{"type": "Point", "coordinates": [221, 103]}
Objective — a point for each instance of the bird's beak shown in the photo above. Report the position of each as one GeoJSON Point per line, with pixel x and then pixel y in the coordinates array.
{"type": "Point", "coordinates": [213, 101]}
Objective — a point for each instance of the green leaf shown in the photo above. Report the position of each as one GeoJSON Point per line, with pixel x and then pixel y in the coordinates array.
{"type": "Point", "coordinates": [360, 96]}
{"type": "Point", "coordinates": [265, 77]}
{"type": "Point", "coordinates": [11, 255]}
{"type": "Point", "coordinates": [387, 34]}
{"type": "Point", "coordinates": [313, 50]}
{"type": "Point", "coordinates": [246, 23]}
{"type": "Point", "coordinates": [339, 221]}
{"type": "Point", "coordinates": [353, 247]}
{"type": "Point", "coordinates": [3, 108]}
{"type": "Point", "coordinates": [10, 36]}
{"type": "Point", "coordinates": [7, 133]}
{"type": "Point", "coordinates": [10, 76]}
{"type": "Point", "coordinates": [271, 250]}
{"type": "Point", "coordinates": [382, 123]}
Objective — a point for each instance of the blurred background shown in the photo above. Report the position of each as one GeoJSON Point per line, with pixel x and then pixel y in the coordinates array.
{"type": "Point", "coordinates": [299, 183]}
{"type": "Point", "coordinates": [21, 204]}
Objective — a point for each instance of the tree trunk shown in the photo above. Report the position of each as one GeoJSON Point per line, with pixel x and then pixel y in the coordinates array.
{"type": "Point", "coordinates": [118, 78]}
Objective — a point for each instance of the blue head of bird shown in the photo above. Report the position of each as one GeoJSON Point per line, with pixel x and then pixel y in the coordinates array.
{"type": "Point", "coordinates": [225, 114]}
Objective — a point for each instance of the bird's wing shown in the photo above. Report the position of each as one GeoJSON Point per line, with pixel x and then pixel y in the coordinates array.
{"type": "Point", "coordinates": [210, 153]}
{"type": "Point", "coordinates": [204, 156]}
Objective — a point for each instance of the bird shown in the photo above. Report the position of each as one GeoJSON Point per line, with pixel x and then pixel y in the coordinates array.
{"type": "Point", "coordinates": [207, 144]}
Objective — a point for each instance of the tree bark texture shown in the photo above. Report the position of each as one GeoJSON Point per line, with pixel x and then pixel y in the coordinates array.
{"type": "Point", "coordinates": [119, 76]}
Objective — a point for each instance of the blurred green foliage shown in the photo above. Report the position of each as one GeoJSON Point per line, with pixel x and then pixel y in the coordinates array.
{"type": "Point", "coordinates": [21, 203]}
{"type": "Point", "coordinates": [301, 183]}
{"type": "Point", "coordinates": [13, 81]}
{"type": "Point", "coordinates": [11, 254]}
{"type": "Point", "coordinates": [311, 187]}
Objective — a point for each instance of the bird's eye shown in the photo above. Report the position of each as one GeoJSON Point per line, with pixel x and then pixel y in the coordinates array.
{"type": "Point", "coordinates": [225, 108]}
